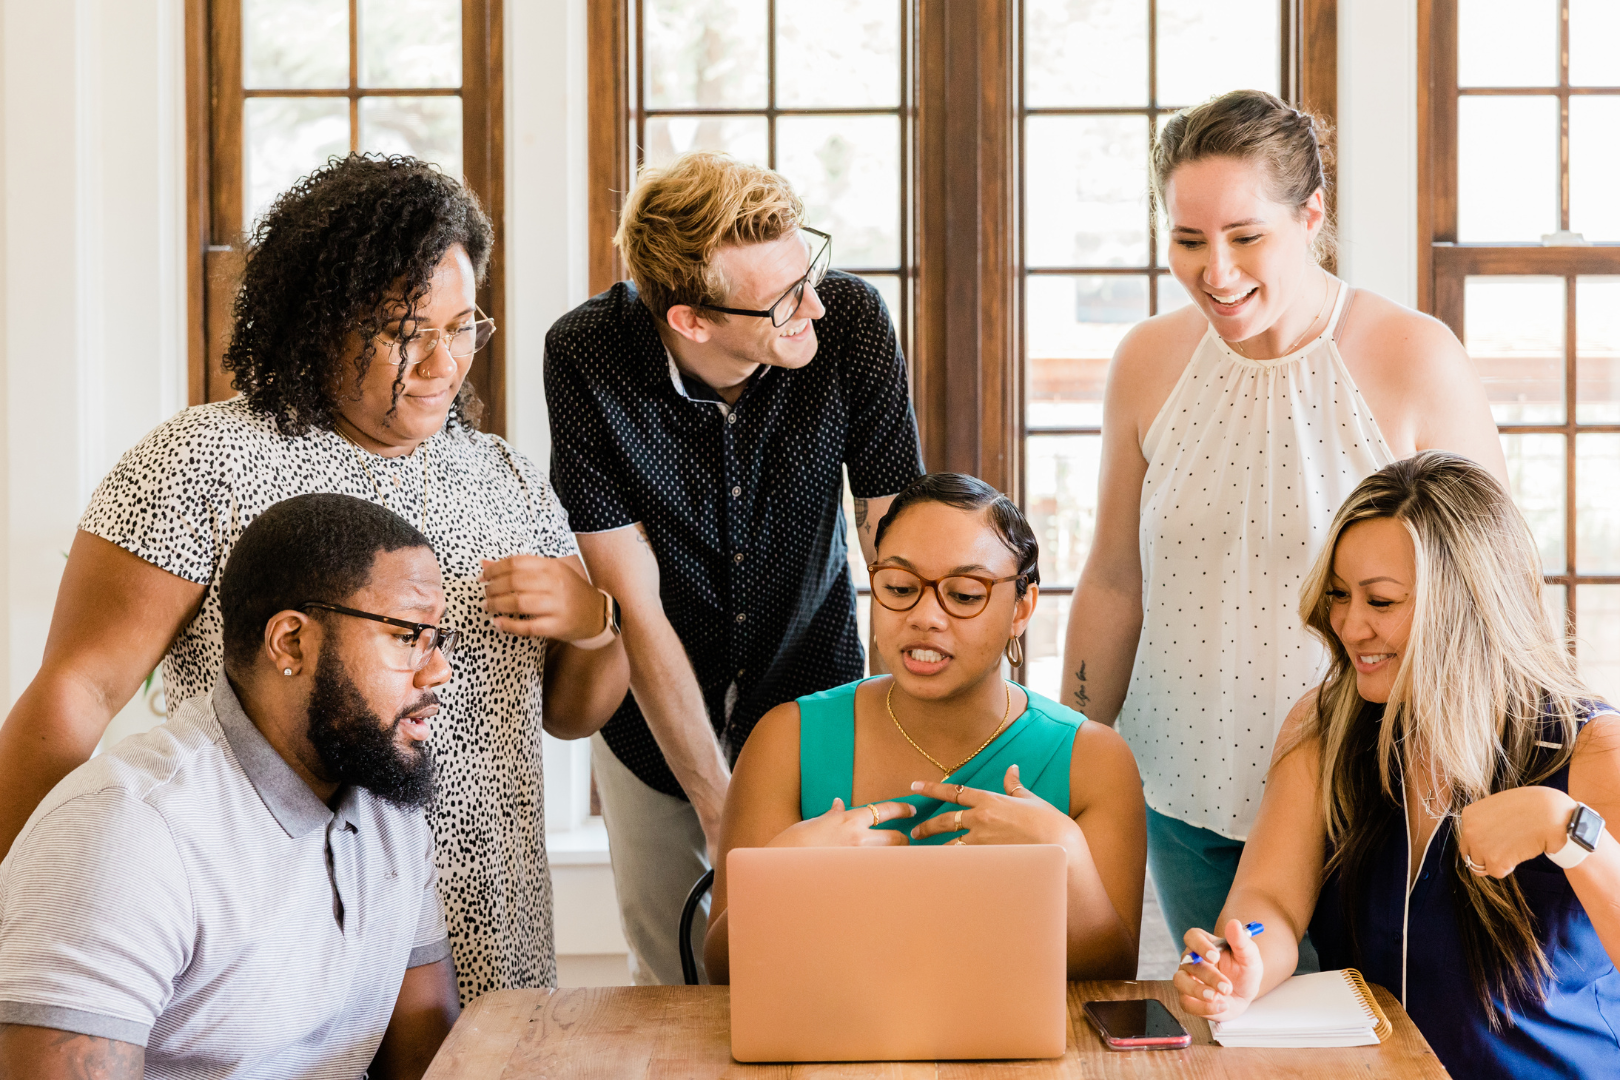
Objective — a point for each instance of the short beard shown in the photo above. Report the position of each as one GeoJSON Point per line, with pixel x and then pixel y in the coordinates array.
{"type": "Point", "coordinates": [358, 748]}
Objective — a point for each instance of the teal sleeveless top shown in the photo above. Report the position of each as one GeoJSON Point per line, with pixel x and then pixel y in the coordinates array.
{"type": "Point", "coordinates": [1039, 741]}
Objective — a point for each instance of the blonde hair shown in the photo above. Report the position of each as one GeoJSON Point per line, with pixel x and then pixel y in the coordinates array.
{"type": "Point", "coordinates": [678, 215]}
{"type": "Point", "coordinates": [1484, 677]}
{"type": "Point", "coordinates": [1292, 146]}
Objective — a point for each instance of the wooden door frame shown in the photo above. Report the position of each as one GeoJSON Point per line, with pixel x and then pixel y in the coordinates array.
{"type": "Point", "coordinates": [213, 93]}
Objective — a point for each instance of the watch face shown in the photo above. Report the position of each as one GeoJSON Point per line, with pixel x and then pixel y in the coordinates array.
{"type": "Point", "coordinates": [1586, 827]}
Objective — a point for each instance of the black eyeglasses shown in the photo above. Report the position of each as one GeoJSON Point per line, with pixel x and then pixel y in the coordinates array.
{"type": "Point", "coordinates": [787, 305]}
{"type": "Point", "coordinates": [422, 639]}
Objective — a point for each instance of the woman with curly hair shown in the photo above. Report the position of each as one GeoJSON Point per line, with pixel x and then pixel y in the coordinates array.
{"type": "Point", "coordinates": [355, 326]}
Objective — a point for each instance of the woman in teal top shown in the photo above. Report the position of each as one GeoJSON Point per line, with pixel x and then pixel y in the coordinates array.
{"type": "Point", "coordinates": [945, 750]}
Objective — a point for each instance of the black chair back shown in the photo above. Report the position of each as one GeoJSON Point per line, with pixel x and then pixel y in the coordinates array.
{"type": "Point", "coordinates": [688, 913]}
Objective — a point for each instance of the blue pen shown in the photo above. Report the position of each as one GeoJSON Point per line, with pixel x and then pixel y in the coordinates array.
{"type": "Point", "coordinates": [1253, 928]}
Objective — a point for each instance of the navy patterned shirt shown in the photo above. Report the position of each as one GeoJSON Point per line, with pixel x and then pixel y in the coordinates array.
{"type": "Point", "coordinates": [742, 504]}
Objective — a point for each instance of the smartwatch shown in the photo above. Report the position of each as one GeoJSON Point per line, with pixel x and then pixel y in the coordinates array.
{"type": "Point", "coordinates": [1584, 832]}
{"type": "Point", "coordinates": [610, 625]}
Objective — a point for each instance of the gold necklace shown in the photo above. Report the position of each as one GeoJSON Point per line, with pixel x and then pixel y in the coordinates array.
{"type": "Point", "coordinates": [1327, 291]}
{"type": "Point", "coordinates": [360, 453]}
{"type": "Point", "coordinates": [1006, 713]}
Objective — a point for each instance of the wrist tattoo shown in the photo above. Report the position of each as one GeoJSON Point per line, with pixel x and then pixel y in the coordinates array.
{"type": "Point", "coordinates": [1081, 698]}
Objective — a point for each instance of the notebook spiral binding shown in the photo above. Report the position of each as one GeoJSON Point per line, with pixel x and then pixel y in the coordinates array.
{"type": "Point", "coordinates": [1383, 1029]}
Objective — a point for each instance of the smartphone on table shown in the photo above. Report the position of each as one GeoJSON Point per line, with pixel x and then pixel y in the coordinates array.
{"type": "Point", "coordinates": [1142, 1024]}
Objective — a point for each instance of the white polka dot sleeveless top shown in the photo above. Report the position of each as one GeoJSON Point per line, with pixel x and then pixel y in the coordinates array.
{"type": "Point", "coordinates": [1248, 461]}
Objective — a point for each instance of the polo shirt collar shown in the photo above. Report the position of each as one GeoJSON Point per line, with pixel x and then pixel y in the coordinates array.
{"type": "Point", "coordinates": [290, 801]}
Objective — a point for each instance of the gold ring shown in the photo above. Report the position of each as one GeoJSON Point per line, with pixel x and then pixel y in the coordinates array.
{"type": "Point", "coordinates": [876, 820]}
{"type": "Point", "coordinates": [958, 823]}
{"type": "Point", "coordinates": [959, 788]}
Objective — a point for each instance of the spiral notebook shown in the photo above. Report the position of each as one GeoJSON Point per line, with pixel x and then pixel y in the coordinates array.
{"type": "Point", "coordinates": [1328, 1008]}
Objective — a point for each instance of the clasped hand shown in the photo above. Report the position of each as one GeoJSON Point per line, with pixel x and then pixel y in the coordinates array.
{"type": "Point", "coordinates": [1497, 833]}
{"type": "Point", "coordinates": [1018, 817]}
{"type": "Point", "coordinates": [533, 596]}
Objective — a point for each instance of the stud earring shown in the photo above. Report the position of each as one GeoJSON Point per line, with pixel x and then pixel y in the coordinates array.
{"type": "Point", "coordinates": [286, 671]}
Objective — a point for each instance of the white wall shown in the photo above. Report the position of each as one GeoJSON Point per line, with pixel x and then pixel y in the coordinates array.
{"type": "Point", "coordinates": [1378, 146]}
{"type": "Point", "coordinates": [91, 155]}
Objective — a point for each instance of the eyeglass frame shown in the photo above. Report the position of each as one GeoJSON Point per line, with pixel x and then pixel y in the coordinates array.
{"type": "Point", "coordinates": [933, 584]}
{"type": "Point", "coordinates": [397, 344]}
{"type": "Point", "coordinates": [825, 249]}
{"type": "Point", "coordinates": [445, 639]}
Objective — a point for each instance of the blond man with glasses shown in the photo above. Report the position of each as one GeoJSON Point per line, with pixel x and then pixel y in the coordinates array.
{"type": "Point", "coordinates": [702, 417]}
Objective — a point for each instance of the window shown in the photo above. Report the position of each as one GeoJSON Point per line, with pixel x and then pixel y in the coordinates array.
{"type": "Point", "coordinates": [278, 86]}
{"type": "Point", "coordinates": [1099, 77]}
{"type": "Point", "coordinates": [1520, 255]}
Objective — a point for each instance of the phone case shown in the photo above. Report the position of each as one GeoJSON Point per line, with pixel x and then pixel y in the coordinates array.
{"type": "Point", "coordinates": [1145, 1042]}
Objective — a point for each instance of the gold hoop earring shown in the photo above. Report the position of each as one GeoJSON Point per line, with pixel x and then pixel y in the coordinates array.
{"type": "Point", "coordinates": [1014, 652]}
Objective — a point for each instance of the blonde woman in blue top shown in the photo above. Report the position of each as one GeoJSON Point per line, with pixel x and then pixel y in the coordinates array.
{"type": "Point", "coordinates": [945, 750]}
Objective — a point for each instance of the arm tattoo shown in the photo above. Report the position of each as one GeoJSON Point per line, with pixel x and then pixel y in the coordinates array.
{"type": "Point", "coordinates": [1081, 698]}
{"type": "Point", "coordinates": [641, 535]}
{"type": "Point", "coordinates": [860, 514]}
{"type": "Point", "coordinates": [75, 1056]}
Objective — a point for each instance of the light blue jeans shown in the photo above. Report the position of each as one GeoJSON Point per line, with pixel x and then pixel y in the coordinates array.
{"type": "Point", "coordinates": [1192, 871]}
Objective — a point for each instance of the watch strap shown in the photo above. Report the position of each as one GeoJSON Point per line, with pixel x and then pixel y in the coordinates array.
{"type": "Point", "coordinates": [1570, 855]}
{"type": "Point", "coordinates": [610, 626]}
{"type": "Point", "coordinates": [1576, 849]}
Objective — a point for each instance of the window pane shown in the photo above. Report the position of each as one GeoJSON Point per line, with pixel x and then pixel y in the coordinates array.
{"type": "Point", "coordinates": [889, 286]}
{"type": "Point", "coordinates": [705, 53]}
{"type": "Point", "coordinates": [1597, 350]}
{"type": "Point", "coordinates": [1536, 478]}
{"type": "Point", "coordinates": [1207, 49]}
{"type": "Point", "coordinates": [1086, 190]}
{"type": "Point", "coordinates": [1555, 599]}
{"type": "Point", "coordinates": [295, 44]}
{"type": "Point", "coordinates": [1594, 27]}
{"type": "Point", "coordinates": [847, 170]}
{"type": "Point", "coordinates": [1072, 326]}
{"type": "Point", "coordinates": [1597, 638]}
{"type": "Point", "coordinates": [1507, 168]}
{"type": "Point", "coordinates": [1594, 161]}
{"type": "Point", "coordinates": [837, 53]}
{"type": "Point", "coordinates": [414, 43]}
{"type": "Point", "coordinates": [1514, 330]}
{"type": "Point", "coordinates": [284, 139]}
{"type": "Point", "coordinates": [1597, 505]}
{"type": "Point", "coordinates": [1061, 479]}
{"type": "Point", "coordinates": [1507, 42]}
{"type": "Point", "coordinates": [1043, 645]}
{"type": "Point", "coordinates": [1085, 52]}
{"type": "Point", "coordinates": [1171, 295]}
{"type": "Point", "coordinates": [424, 127]}
{"type": "Point", "coordinates": [743, 137]}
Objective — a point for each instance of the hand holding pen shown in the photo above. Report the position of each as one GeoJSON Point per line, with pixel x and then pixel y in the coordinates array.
{"type": "Point", "coordinates": [1214, 948]}
{"type": "Point", "coordinates": [1219, 977]}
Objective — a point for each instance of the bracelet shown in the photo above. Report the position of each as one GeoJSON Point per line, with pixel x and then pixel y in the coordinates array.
{"type": "Point", "coordinates": [610, 627]}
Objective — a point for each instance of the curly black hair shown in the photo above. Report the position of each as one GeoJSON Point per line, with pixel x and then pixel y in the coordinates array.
{"type": "Point", "coordinates": [330, 256]}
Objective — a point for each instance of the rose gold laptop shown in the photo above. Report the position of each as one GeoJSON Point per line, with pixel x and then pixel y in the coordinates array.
{"type": "Point", "coordinates": [897, 953]}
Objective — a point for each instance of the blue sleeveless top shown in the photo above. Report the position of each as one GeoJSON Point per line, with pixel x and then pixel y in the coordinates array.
{"type": "Point", "coordinates": [1039, 741]}
{"type": "Point", "coordinates": [1413, 947]}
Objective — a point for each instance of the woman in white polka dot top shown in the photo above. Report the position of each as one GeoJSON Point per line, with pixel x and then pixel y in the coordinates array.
{"type": "Point", "coordinates": [1232, 430]}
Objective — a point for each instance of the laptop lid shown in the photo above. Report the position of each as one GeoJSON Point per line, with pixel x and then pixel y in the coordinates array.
{"type": "Point", "coordinates": [897, 953]}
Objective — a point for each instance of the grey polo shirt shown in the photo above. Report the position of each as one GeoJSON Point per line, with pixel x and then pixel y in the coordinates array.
{"type": "Point", "coordinates": [186, 891]}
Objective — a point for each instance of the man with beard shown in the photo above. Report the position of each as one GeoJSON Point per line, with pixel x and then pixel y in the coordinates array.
{"type": "Point", "coordinates": [248, 889]}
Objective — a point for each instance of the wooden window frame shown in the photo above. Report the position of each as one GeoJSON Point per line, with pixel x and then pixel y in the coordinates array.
{"type": "Point", "coordinates": [214, 182]}
{"type": "Point", "coordinates": [1444, 264]}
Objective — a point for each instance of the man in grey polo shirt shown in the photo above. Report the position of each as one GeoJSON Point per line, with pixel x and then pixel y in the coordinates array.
{"type": "Point", "coordinates": [248, 889]}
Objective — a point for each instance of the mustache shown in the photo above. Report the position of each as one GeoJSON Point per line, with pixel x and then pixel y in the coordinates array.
{"type": "Point", "coordinates": [429, 698]}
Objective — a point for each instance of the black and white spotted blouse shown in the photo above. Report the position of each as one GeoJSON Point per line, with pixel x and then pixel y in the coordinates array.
{"type": "Point", "coordinates": [181, 498]}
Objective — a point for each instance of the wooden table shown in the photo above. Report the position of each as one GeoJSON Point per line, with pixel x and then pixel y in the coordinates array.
{"type": "Point", "coordinates": [624, 1033]}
